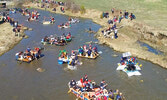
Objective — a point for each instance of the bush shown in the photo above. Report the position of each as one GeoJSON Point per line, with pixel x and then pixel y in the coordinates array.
{"type": "Point", "coordinates": [68, 4]}
{"type": "Point", "coordinates": [75, 8]}
{"type": "Point", "coordinates": [82, 10]}
{"type": "Point", "coordinates": [101, 15]}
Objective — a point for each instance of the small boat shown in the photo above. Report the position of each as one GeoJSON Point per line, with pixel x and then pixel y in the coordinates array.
{"type": "Point", "coordinates": [129, 72]}
{"type": "Point", "coordinates": [30, 55]}
{"type": "Point", "coordinates": [63, 60]}
{"type": "Point", "coordinates": [47, 22]}
{"type": "Point", "coordinates": [12, 12]}
{"type": "Point", "coordinates": [68, 40]}
{"type": "Point", "coordinates": [80, 90]}
{"type": "Point", "coordinates": [24, 59]}
{"type": "Point", "coordinates": [73, 21]}
{"type": "Point", "coordinates": [64, 26]}
{"type": "Point", "coordinates": [60, 44]}
{"type": "Point", "coordinates": [129, 65]}
{"type": "Point", "coordinates": [89, 57]}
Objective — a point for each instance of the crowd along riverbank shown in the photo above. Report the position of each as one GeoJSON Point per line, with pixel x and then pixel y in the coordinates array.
{"type": "Point", "coordinates": [129, 34]}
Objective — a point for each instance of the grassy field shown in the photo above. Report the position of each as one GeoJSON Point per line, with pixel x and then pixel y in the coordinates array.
{"type": "Point", "coordinates": [151, 12]}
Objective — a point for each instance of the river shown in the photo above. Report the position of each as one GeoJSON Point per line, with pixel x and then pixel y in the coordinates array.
{"type": "Point", "coordinates": [21, 81]}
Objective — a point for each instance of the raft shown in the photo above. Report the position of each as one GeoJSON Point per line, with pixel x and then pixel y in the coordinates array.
{"type": "Point", "coordinates": [47, 22]}
{"type": "Point", "coordinates": [73, 21]}
{"type": "Point", "coordinates": [68, 40]}
{"type": "Point", "coordinates": [79, 95]}
{"type": "Point", "coordinates": [89, 57]}
{"type": "Point", "coordinates": [12, 12]}
{"type": "Point", "coordinates": [60, 44]}
{"type": "Point", "coordinates": [28, 59]}
{"type": "Point", "coordinates": [64, 26]}
{"type": "Point", "coordinates": [62, 60]}
{"type": "Point", "coordinates": [129, 73]}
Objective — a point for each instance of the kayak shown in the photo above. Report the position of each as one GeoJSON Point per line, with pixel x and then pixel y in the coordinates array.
{"type": "Point", "coordinates": [89, 57]}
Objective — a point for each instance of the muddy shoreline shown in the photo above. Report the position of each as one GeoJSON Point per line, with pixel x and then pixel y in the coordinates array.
{"type": "Point", "coordinates": [8, 39]}
{"type": "Point", "coordinates": [128, 36]}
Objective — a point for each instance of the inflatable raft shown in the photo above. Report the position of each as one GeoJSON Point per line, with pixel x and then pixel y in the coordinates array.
{"type": "Point", "coordinates": [48, 22]}
{"type": "Point", "coordinates": [89, 57]}
{"type": "Point", "coordinates": [68, 40]}
{"type": "Point", "coordinates": [128, 72]}
{"type": "Point", "coordinates": [63, 60]}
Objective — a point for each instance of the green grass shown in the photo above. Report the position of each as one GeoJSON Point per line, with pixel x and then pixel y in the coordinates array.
{"type": "Point", "coordinates": [147, 11]}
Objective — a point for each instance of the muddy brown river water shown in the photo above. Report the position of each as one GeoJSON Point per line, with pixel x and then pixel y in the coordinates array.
{"type": "Point", "coordinates": [21, 81]}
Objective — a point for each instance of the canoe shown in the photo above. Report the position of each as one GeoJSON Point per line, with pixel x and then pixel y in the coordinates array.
{"type": "Point", "coordinates": [89, 57]}
{"type": "Point", "coordinates": [68, 40]}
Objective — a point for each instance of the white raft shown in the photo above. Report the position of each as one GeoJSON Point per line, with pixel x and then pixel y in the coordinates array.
{"type": "Point", "coordinates": [129, 73]}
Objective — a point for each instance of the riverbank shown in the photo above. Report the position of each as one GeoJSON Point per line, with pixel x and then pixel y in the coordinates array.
{"type": "Point", "coordinates": [128, 36]}
{"type": "Point", "coordinates": [7, 37]}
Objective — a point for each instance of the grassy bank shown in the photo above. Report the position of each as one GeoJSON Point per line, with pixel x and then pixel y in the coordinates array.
{"type": "Point", "coordinates": [151, 12]}
{"type": "Point", "coordinates": [7, 37]}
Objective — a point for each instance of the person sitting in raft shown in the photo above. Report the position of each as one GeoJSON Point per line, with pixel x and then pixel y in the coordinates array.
{"type": "Point", "coordinates": [103, 84]}
{"type": "Point", "coordinates": [28, 49]}
{"type": "Point", "coordinates": [89, 52]}
{"type": "Point", "coordinates": [52, 20]}
{"type": "Point", "coordinates": [46, 39]}
{"type": "Point", "coordinates": [68, 36]}
{"type": "Point", "coordinates": [131, 67]}
{"type": "Point", "coordinates": [80, 50]}
{"type": "Point", "coordinates": [84, 48]}
{"type": "Point", "coordinates": [95, 50]}
{"type": "Point", "coordinates": [72, 62]}
{"type": "Point", "coordinates": [73, 84]}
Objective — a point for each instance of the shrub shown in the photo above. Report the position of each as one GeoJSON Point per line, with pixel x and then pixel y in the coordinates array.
{"type": "Point", "coordinates": [75, 8]}
{"type": "Point", "coordinates": [82, 10]}
{"type": "Point", "coordinates": [101, 15]}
